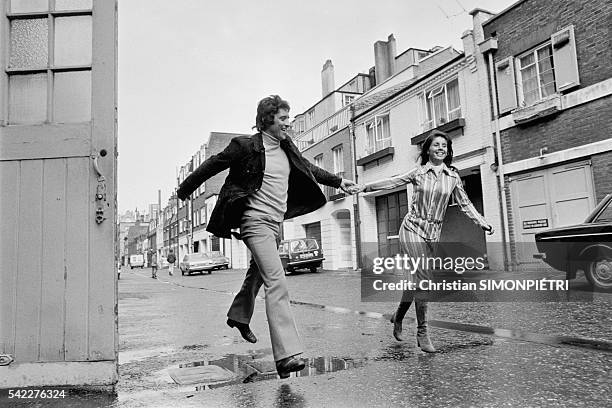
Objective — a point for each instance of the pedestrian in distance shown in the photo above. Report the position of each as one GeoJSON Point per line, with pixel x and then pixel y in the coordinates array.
{"type": "Point", "coordinates": [171, 260]}
{"type": "Point", "coordinates": [153, 265]}
{"type": "Point", "coordinates": [435, 180]}
{"type": "Point", "coordinates": [269, 180]}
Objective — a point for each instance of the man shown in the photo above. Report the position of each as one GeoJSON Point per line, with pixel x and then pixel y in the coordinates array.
{"type": "Point", "coordinates": [171, 260]}
{"type": "Point", "coordinates": [153, 265]}
{"type": "Point", "coordinates": [268, 181]}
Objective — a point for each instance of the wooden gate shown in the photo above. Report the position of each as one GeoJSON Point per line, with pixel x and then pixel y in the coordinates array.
{"type": "Point", "coordinates": [58, 282]}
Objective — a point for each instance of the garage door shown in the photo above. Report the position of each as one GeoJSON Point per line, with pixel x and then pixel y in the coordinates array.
{"type": "Point", "coordinates": [390, 212]}
{"type": "Point", "coordinates": [550, 198]}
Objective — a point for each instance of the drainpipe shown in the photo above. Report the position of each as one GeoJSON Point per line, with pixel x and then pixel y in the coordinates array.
{"type": "Point", "coordinates": [356, 216]}
{"type": "Point", "coordinates": [176, 253]}
{"type": "Point", "coordinates": [488, 47]}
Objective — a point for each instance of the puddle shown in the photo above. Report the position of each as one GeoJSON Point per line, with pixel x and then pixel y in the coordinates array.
{"type": "Point", "coordinates": [258, 366]}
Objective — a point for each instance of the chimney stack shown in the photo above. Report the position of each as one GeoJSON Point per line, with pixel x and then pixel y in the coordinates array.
{"type": "Point", "coordinates": [327, 78]}
{"type": "Point", "coordinates": [384, 58]}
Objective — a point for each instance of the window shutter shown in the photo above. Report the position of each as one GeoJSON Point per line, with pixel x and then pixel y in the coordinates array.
{"type": "Point", "coordinates": [506, 89]}
{"type": "Point", "coordinates": [564, 58]}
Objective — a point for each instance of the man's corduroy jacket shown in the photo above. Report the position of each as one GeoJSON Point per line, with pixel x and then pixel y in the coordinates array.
{"type": "Point", "coordinates": [245, 157]}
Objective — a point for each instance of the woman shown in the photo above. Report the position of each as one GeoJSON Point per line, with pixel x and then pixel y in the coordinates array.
{"type": "Point", "coordinates": [434, 181]}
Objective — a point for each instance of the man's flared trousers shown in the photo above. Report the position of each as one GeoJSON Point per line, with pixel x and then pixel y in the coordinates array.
{"type": "Point", "coordinates": [261, 236]}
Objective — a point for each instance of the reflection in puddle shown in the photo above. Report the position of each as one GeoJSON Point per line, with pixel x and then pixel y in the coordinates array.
{"type": "Point", "coordinates": [236, 369]}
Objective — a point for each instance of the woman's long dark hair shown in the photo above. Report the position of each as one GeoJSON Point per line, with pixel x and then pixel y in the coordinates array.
{"type": "Point", "coordinates": [427, 144]}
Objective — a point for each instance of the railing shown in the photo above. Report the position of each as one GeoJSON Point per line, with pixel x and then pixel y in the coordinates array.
{"type": "Point", "coordinates": [452, 115]}
{"type": "Point", "coordinates": [378, 145]}
{"type": "Point", "coordinates": [323, 129]}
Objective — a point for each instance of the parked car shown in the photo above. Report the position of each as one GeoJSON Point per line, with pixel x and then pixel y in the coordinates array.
{"type": "Point", "coordinates": [586, 247]}
{"type": "Point", "coordinates": [136, 261]}
{"type": "Point", "coordinates": [203, 261]}
{"type": "Point", "coordinates": [300, 253]}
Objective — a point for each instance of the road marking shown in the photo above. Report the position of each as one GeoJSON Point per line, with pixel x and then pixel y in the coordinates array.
{"type": "Point", "coordinates": [512, 334]}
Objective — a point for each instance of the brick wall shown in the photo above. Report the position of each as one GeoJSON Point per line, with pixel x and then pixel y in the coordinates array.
{"type": "Point", "coordinates": [602, 174]}
{"type": "Point", "coordinates": [577, 126]}
{"type": "Point", "coordinates": [532, 22]}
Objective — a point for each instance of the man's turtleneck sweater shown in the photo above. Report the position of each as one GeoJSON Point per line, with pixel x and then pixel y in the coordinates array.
{"type": "Point", "coordinates": [271, 199]}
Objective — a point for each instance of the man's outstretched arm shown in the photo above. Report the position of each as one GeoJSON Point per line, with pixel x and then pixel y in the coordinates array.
{"type": "Point", "coordinates": [211, 166]}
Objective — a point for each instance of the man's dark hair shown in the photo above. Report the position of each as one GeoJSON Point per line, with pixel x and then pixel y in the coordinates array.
{"type": "Point", "coordinates": [266, 109]}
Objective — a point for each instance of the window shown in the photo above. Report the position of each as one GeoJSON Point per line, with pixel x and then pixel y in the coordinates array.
{"type": "Point", "coordinates": [214, 243]}
{"type": "Point", "coordinates": [49, 61]}
{"type": "Point", "coordinates": [440, 105]}
{"type": "Point", "coordinates": [202, 215]}
{"type": "Point", "coordinates": [378, 134]}
{"type": "Point", "coordinates": [536, 75]}
{"type": "Point", "coordinates": [338, 161]}
{"type": "Point", "coordinates": [318, 161]}
{"type": "Point", "coordinates": [347, 99]}
{"type": "Point", "coordinates": [311, 119]}
{"type": "Point", "coordinates": [539, 73]}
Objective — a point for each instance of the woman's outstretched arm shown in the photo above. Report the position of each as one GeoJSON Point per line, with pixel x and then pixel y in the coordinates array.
{"type": "Point", "coordinates": [468, 208]}
{"type": "Point", "coordinates": [391, 182]}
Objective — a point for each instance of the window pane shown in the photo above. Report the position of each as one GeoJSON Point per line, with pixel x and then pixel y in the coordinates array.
{"type": "Point", "coordinates": [72, 4]}
{"type": "Point", "coordinates": [27, 98]}
{"type": "Point", "coordinates": [453, 95]}
{"type": "Point", "coordinates": [548, 89]}
{"type": "Point", "coordinates": [73, 40]}
{"type": "Point", "coordinates": [72, 97]}
{"type": "Point", "coordinates": [531, 97]}
{"type": "Point", "coordinates": [29, 47]}
{"type": "Point", "coordinates": [29, 6]}
{"type": "Point", "coordinates": [440, 109]}
{"type": "Point", "coordinates": [544, 53]}
{"type": "Point", "coordinates": [527, 60]}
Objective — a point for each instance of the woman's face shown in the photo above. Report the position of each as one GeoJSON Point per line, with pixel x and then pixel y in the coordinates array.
{"type": "Point", "coordinates": [437, 151]}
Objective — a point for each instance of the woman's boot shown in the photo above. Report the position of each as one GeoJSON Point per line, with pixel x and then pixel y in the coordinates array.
{"type": "Point", "coordinates": [397, 318]}
{"type": "Point", "coordinates": [423, 340]}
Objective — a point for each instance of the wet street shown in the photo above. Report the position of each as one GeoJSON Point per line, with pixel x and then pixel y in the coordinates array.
{"type": "Point", "coordinates": [176, 351]}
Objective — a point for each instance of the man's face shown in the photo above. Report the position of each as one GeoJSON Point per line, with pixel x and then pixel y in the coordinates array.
{"type": "Point", "coordinates": [280, 125]}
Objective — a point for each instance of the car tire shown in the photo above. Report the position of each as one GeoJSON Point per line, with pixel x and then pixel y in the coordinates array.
{"type": "Point", "coordinates": [313, 269]}
{"type": "Point", "coordinates": [209, 272]}
{"type": "Point", "coordinates": [599, 272]}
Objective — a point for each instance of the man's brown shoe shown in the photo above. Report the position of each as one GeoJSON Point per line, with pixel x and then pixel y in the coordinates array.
{"type": "Point", "coordinates": [288, 365]}
{"type": "Point", "coordinates": [244, 329]}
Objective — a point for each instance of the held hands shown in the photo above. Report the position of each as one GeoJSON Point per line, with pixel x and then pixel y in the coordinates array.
{"type": "Point", "coordinates": [349, 186]}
